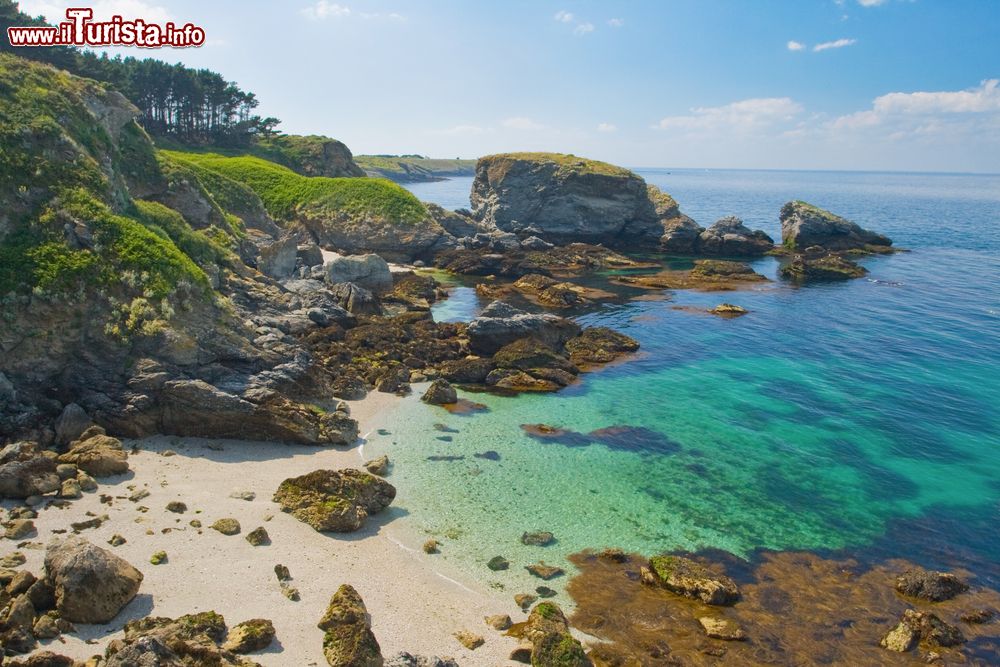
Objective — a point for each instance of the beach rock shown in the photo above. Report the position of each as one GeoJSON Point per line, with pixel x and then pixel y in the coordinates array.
{"type": "Point", "coordinates": [18, 529]}
{"type": "Point", "coordinates": [282, 572]}
{"type": "Point", "coordinates": [44, 659]}
{"type": "Point", "coordinates": [177, 507]}
{"type": "Point", "coordinates": [378, 466]}
{"type": "Point", "coordinates": [552, 643]}
{"type": "Point", "coordinates": [91, 585]}
{"type": "Point", "coordinates": [158, 558]}
{"type": "Point", "coordinates": [87, 483]}
{"type": "Point", "coordinates": [535, 243]}
{"type": "Point", "coordinates": [30, 476]}
{"type": "Point", "coordinates": [98, 455]}
{"type": "Point", "coordinates": [331, 500]}
{"type": "Point", "coordinates": [249, 636]}
{"type": "Point", "coordinates": [469, 640]}
{"type": "Point", "coordinates": [499, 622]}
{"type": "Point", "coordinates": [70, 490]}
{"type": "Point", "coordinates": [928, 585]}
{"type": "Point", "coordinates": [348, 640]}
{"type": "Point", "coordinates": [531, 354]}
{"type": "Point", "coordinates": [525, 600]}
{"type": "Point", "coordinates": [258, 537]}
{"type": "Point", "coordinates": [680, 236]}
{"type": "Point", "coordinates": [729, 310]}
{"type": "Point", "coordinates": [440, 393]}
{"type": "Point", "coordinates": [515, 380]}
{"type": "Point", "coordinates": [690, 578]}
{"type": "Point", "coordinates": [189, 640]}
{"type": "Point", "coordinates": [71, 424]}
{"type": "Point", "coordinates": [730, 237]}
{"type": "Point", "coordinates": [563, 199]}
{"type": "Point", "coordinates": [500, 324]}
{"type": "Point", "coordinates": [66, 471]}
{"type": "Point", "coordinates": [824, 268]}
{"type": "Point", "coordinates": [543, 571]}
{"type": "Point", "coordinates": [921, 627]}
{"type": "Point", "coordinates": [228, 526]}
{"type": "Point", "coordinates": [471, 370]}
{"type": "Point", "coordinates": [408, 660]}
{"type": "Point", "coordinates": [309, 254]}
{"type": "Point", "coordinates": [599, 345]}
{"type": "Point", "coordinates": [368, 271]}
{"type": "Point", "coordinates": [356, 299]}
{"type": "Point", "coordinates": [721, 628]}
{"type": "Point", "coordinates": [538, 539]}
{"type": "Point", "coordinates": [804, 225]}
{"type": "Point", "coordinates": [432, 547]}
{"type": "Point", "coordinates": [12, 560]}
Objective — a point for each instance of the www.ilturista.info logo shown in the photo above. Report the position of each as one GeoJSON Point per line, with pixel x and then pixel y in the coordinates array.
{"type": "Point", "coordinates": [80, 30]}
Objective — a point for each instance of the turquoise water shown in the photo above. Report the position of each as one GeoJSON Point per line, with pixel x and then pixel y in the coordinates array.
{"type": "Point", "coordinates": [862, 416]}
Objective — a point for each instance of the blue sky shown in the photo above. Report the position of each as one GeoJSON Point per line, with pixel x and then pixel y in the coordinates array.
{"type": "Point", "coordinates": [812, 84]}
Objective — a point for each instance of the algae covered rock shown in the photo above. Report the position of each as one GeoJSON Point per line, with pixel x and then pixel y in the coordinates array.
{"type": "Point", "coordinates": [440, 393]}
{"type": "Point", "coordinates": [823, 268]}
{"type": "Point", "coordinates": [921, 627]}
{"type": "Point", "coordinates": [249, 636]}
{"type": "Point", "coordinates": [193, 639]}
{"type": "Point", "coordinates": [91, 585]}
{"type": "Point", "coordinates": [690, 578]}
{"type": "Point", "coordinates": [552, 644]}
{"type": "Point", "coordinates": [348, 640]}
{"type": "Point", "coordinates": [928, 585]}
{"type": "Point", "coordinates": [334, 500]}
{"type": "Point", "coordinates": [599, 345]}
{"type": "Point", "coordinates": [227, 526]}
{"type": "Point", "coordinates": [804, 225]}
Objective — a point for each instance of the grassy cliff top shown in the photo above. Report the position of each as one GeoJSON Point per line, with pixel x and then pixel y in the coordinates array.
{"type": "Point", "coordinates": [566, 162]}
{"type": "Point", "coordinates": [284, 192]}
{"type": "Point", "coordinates": [406, 168]}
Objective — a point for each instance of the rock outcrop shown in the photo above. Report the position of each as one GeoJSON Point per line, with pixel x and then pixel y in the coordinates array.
{"type": "Point", "coordinates": [563, 198]}
{"type": "Point", "coordinates": [26, 472]}
{"type": "Point", "coordinates": [928, 585]}
{"type": "Point", "coordinates": [920, 627]}
{"type": "Point", "coordinates": [818, 266]}
{"type": "Point", "coordinates": [501, 323]}
{"type": "Point", "coordinates": [730, 237]}
{"type": "Point", "coordinates": [97, 454]}
{"type": "Point", "coordinates": [334, 500]}
{"type": "Point", "coordinates": [368, 271]}
{"type": "Point", "coordinates": [690, 578]}
{"type": "Point", "coordinates": [194, 639]}
{"type": "Point", "coordinates": [348, 640]}
{"type": "Point", "coordinates": [440, 393]}
{"type": "Point", "coordinates": [552, 645]}
{"type": "Point", "coordinates": [804, 225]}
{"type": "Point", "coordinates": [90, 585]}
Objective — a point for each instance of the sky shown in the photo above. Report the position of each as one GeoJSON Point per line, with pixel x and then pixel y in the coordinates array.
{"type": "Point", "coordinates": [909, 85]}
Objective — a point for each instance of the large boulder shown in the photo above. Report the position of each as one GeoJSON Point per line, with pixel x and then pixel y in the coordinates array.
{"type": "Point", "coordinates": [552, 645]}
{"type": "Point", "coordinates": [691, 579]}
{"type": "Point", "coordinates": [730, 237]}
{"type": "Point", "coordinates": [356, 299]}
{"type": "Point", "coordinates": [26, 473]}
{"type": "Point", "coordinates": [91, 585]}
{"type": "Point", "coordinates": [804, 225]}
{"type": "Point", "coordinates": [501, 323]}
{"type": "Point", "coordinates": [334, 500]}
{"type": "Point", "coordinates": [278, 259]}
{"type": "Point", "coordinates": [348, 640]}
{"type": "Point", "coordinates": [368, 271]}
{"type": "Point", "coordinates": [97, 454]}
{"type": "Point", "coordinates": [564, 198]}
{"type": "Point", "coordinates": [440, 393]}
{"type": "Point", "coordinates": [71, 424]}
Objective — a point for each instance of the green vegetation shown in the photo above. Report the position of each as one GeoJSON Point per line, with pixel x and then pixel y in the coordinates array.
{"type": "Point", "coordinates": [411, 168]}
{"type": "Point", "coordinates": [286, 193]}
{"type": "Point", "coordinates": [565, 163]}
{"type": "Point", "coordinates": [663, 566]}
{"type": "Point", "coordinates": [205, 247]}
{"type": "Point", "coordinates": [307, 155]}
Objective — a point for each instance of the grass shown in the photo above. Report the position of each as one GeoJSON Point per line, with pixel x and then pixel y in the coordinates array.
{"type": "Point", "coordinates": [204, 247]}
{"type": "Point", "coordinates": [285, 193]}
{"type": "Point", "coordinates": [414, 168]}
{"type": "Point", "coordinates": [565, 163]}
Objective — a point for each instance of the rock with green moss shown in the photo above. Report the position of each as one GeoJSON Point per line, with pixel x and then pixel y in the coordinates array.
{"type": "Point", "coordinates": [158, 558]}
{"type": "Point", "coordinates": [227, 526]}
{"type": "Point", "coordinates": [692, 579]}
{"type": "Point", "coordinates": [804, 225]}
{"type": "Point", "coordinates": [194, 639]}
{"type": "Point", "coordinates": [806, 268]}
{"type": "Point", "coordinates": [249, 636]}
{"type": "Point", "coordinates": [348, 640]}
{"type": "Point", "coordinates": [334, 500]}
{"type": "Point", "coordinates": [552, 644]}
{"type": "Point", "coordinates": [599, 345]}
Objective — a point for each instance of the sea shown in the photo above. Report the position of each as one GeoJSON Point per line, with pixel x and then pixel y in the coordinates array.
{"type": "Point", "coordinates": [858, 417]}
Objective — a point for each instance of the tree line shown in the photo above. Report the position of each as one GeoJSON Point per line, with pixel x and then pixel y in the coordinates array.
{"type": "Point", "coordinates": [195, 107]}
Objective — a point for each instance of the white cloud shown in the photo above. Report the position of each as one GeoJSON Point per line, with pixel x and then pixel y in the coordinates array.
{"type": "Point", "coordinates": [55, 12]}
{"type": "Point", "coordinates": [323, 10]}
{"type": "Point", "coordinates": [795, 46]}
{"type": "Point", "coordinates": [563, 16]}
{"type": "Point", "coordinates": [521, 123]}
{"type": "Point", "coordinates": [919, 109]}
{"type": "Point", "coordinates": [616, 23]}
{"type": "Point", "coordinates": [392, 16]}
{"type": "Point", "coordinates": [739, 116]}
{"type": "Point", "coordinates": [871, 3]}
{"type": "Point", "coordinates": [583, 29]}
{"type": "Point", "coordinates": [835, 44]}
{"type": "Point", "coordinates": [607, 127]}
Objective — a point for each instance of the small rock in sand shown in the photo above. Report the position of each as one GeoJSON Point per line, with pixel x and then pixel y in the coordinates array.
{"type": "Point", "coordinates": [117, 540]}
{"type": "Point", "coordinates": [258, 537]}
{"type": "Point", "coordinates": [498, 563]}
{"type": "Point", "coordinates": [227, 526]}
{"type": "Point", "coordinates": [249, 636]}
{"type": "Point", "coordinates": [177, 507]}
{"type": "Point", "coordinates": [525, 600]}
{"type": "Point", "coordinates": [87, 483]}
{"type": "Point", "coordinates": [290, 592]}
{"type": "Point", "coordinates": [158, 558]}
{"type": "Point", "coordinates": [378, 466]}
{"type": "Point", "coordinates": [538, 539]}
{"type": "Point", "coordinates": [469, 640]}
{"type": "Point", "coordinates": [431, 547]}
{"type": "Point", "coordinates": [499, 622]}
{"type": "Point", "coordinates": [18, 529]}
{"type": "Point", "coordinates": [282, 573]}
{"type": "Point", "coordinates": [543, 571]}
{"type": "Point", "coordinates": [248, 496]}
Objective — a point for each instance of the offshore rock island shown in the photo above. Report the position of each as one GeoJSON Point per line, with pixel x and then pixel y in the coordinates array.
{"type": "Point", "coordinates": [197, 344]}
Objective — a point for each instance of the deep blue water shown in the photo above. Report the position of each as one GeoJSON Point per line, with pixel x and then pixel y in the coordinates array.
{"type": "Point", "coordinates": [862, 415]}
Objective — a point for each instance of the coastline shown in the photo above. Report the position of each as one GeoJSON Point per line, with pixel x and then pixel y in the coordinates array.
{"type": "Point", "coordinates": [416, 604]}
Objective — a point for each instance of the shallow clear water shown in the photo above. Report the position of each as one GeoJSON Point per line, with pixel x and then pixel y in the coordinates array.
{"type": "Point", "coordinates": [863, 415]}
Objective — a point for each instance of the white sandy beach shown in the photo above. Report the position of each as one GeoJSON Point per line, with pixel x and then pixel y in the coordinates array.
{"type": "Point", "coordinates": [415, 603]}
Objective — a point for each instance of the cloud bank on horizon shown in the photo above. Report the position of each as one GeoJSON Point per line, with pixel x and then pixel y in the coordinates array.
{"type": "Point", "coordinates": [853, 84]}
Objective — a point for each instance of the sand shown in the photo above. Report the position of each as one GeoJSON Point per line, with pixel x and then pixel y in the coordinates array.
{"type": "Point", "coordinates": [415, 602]}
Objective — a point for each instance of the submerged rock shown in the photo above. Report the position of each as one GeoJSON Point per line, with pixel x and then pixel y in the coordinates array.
{"type": "Point", "coordinates": [806, 268]}
{"type": "Point", "coordinates": [543, 571]}
{"type": "Point", "coordinates": [378, 466]}
{"type": "Point", "coordinates": [921, 627]}
{"type": "Point", "coordinates": [332, 500]}
{"type": "Point", "coordinates": [927, 585]}
{"type": "Point", "coordinates": [690, 578]}
{"type": "Point", "coordinates": [804, 225]}
{"type": "Point", "coordinates": [721, 628]}
{"type": "Point", "coordinates": [91, 585]}
{"type": "Point", "coordinates": [348, 640]}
